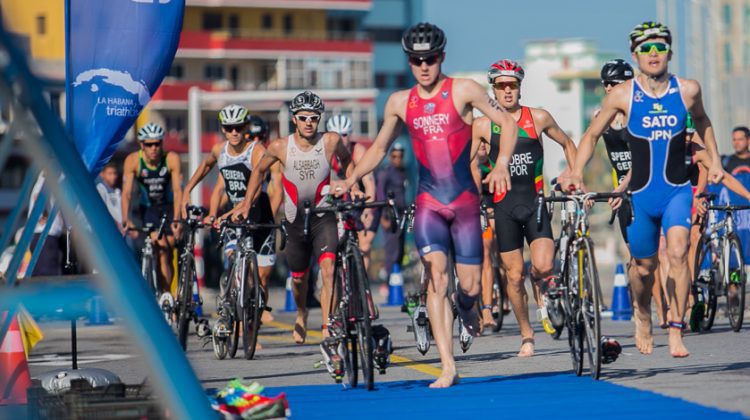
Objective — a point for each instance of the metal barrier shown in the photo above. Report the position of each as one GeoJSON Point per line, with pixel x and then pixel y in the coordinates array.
{"type": "Point", "coordinates": [121, 282]}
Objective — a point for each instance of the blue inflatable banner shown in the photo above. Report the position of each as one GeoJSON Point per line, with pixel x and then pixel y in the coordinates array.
{"type": "Point", "coordinates": [117, 53]}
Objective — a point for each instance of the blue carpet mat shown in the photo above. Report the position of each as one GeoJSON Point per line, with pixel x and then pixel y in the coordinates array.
{"type": "Point", "coordinates": [526, 396]}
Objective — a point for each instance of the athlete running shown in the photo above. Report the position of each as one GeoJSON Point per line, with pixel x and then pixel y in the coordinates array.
{"type": "Point", "coordinates": [306, 159]}
{"type": "Point", "coordinates": [236, 157]}
{"type": "Point", "coordinates": [515, 211]}
{"type": "Point", "coordinates": [655, 105]}
{"type": "Point", "coordinates": [342, 124]}
{"type": "Point", "coordinates": [438, 114]}
{"type": "Point", "coordinates": [159, 179]}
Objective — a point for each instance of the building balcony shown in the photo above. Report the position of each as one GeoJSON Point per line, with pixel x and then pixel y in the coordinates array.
{"type": "Point", "coordinates": [255, 44]}
{"type": "Point", "coordinates": [363, 5]}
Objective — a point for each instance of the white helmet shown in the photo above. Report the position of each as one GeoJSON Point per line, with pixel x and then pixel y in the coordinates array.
{"type": "Point", "coordinates": [151, 131]}
{"type": "Point", "coordinates": [233, 115]}
{"type": "Point", "coordinates": [339, 123]}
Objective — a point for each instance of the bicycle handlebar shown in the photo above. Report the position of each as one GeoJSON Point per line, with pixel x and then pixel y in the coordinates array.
{"type": "Point", "coordinates": [581, 198]}
{"type": "Point", "coordinates": [251, 226]}
{"type": "Point", "coordinates": [341, 206]}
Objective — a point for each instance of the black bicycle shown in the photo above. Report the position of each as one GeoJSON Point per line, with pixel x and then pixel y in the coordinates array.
{"type": "Point", "coordinates": [352, 309]}
{"type": "Point", "coordinates": [719, 268]}
{"type": "Point", "coordinates": [579, 278]}
{"type": "Point", "coordinates": [184, 307]}
{"type": "Point", "coordinates": [243, 298]}
{"type": "Point", "coordinates": [149, 264]}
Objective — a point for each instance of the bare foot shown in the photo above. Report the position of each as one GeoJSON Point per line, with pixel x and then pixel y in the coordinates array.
{"type": "Point", "coordinates": [527, 348]}
{"type": "Point", "coordinates": [258, 346]}
{"type": "Point", "coordinates": [676, 346]}
{"type": "Point", "coordinates": [300, 328]}
{"type": "Point", "coordinates": [487, 320]}
{"type": "Point", "coordinates": [266, 317]}
{"type": "Point", "coordinates": [445, 380]}
{"type": "Point", "coordinates": [644, 339]}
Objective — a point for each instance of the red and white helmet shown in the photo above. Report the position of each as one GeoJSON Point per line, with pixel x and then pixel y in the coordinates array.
{"type": "Point", "coordinates": [505, 68]}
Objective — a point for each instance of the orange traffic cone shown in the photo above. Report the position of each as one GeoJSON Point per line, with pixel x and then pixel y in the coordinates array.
{"type": "Point", "coordinates": [14, 371]}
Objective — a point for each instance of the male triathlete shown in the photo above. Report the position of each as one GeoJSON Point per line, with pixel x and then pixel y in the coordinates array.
{"type": "Point", "coordinates": [159, 179]}
{"type": "Point", "coordinates": [656, 105]}
{"type": "Point", "coordinates": [438, 114]}
{"type": "Point", "coordinates": [515, 211]}
{"type": "Point", "coordinates": [236, 158]}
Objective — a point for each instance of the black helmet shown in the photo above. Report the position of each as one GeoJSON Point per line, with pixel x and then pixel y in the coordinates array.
{"type": "Point", "coordinates": [423, 39]}
{"type": "Point", "coordinates": [307, 101]}
{"type": "Point", "coordinates": [648, 30]}
{"type": "Point", "coordinates": [617, 70]}
{"type": "Point", "coordinates": [257, 126]}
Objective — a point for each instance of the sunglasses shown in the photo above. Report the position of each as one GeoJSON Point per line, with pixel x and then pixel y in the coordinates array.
{"type": "Point", "coordinates": [152, 144]}
{"type": "Point", "coordinates": [429, 60]}
{"type": "Point", "coordinates": [651, 47]}
{"type": "Point", "coordinates": [503, 85]}
{"type": "Point", "coordinates": [608, 83]}
{"type": "Point", "coordinates": [306, 118]}
{"type": "Point", "coordinates": [236, 127]}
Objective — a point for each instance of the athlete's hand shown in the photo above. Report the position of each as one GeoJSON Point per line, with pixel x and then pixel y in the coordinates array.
{"type": "Point", "coordinates": [715, 173]}
{"type": "Point", "coordinates": [177, 229]}
{"type": "Point", "coordinates": [498, 180]}
{"type": "Point", "coordinates": [700, 205]}
{"type": "Point", "coordinates": [183, 206]}
{"type": "Point", "coordinates": [239, 213]}
{"type": "Point", "coordinates": [615, 203]}
{"type": "Point", "coordinates": [209, 220]}
{"type": "Point", "coordinates": [338, 188]}
{"type": "Point", "coordinates": [572, 183]}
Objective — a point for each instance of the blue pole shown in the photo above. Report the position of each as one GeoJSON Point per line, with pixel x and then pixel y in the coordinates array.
{"type": "Point", "coordinates": [12, 222]}
{"type": "Point", "coordinates": [123, 285]}
{"type": "Point", "coordinates": [40, 242]}
{"type": "Point", "coordinates": [28, 233]}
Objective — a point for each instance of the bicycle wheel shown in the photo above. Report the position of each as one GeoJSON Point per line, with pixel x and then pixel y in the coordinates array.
{"type": "Point", "coordinates": [498, 300]}
{"type": "Point", "coordinates": [184, 284]}
{"type": "Point", "coordinates": [147, 270]}
{"type": "Point", "coordinates": [573, 319]}
{"type": "Point", "coordinates": [364, 322]}
{"type": "Point", "coordinates": [590, 307]}
{"type": "Point", "coordinates": [252, 307]}
{"type": "Point", "coordinates": [734, 282]}
{"type": "Point", "coordinates": [706, 279]}
{"type": "Point", "coordinates": [232, 317]}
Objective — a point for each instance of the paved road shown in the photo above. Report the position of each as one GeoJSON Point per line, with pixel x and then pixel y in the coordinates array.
{"type": "Point", "coordinates": [717, 374]}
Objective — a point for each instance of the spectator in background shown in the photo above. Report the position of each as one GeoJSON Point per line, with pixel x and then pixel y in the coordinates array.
{"type": "Point", "coordinates": [738, 165]}
{"type": "Point", "coordinates": [50, 262]}
{"type": "Point", "coordinates": [392, 179]}
{"type": "Point", "coordinates": [111, 195]}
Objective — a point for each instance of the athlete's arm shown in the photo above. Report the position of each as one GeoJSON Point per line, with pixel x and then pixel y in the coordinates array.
{"type": "Point", "coordinates": [203, 169]}
{"type": "Point", "coordinates": [388, 132]}
{"type": "Point", "coordinates": [368, 180]}
{"type": "Point", "coordinates": [128, 175]}
{"type": "Point", "coordinates": [270, 156]}
{"type": "Point", "coordinates": [553, 131]}
{"type": "Point", "coordinates": [275, 188]}
{"type": "Point", "coordinates": [613, 103]}
{"type": "Point", "coordinates": [255, 158]}
{"type": "Point", "coordinates": [728, 180]}
{"type": "Point", "coordinates": [215, 201]}
{"type": "Point", "coordinates": [703, 128]}
{"type": "Point", "coordinates": [479, 128]}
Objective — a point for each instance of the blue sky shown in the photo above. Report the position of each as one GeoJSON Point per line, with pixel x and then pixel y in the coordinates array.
{"type": "Point", "coordinates": [482, 31]}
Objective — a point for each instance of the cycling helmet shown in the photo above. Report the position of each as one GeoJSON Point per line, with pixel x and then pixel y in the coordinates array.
{"type": "Point", "coordinates": [617, 70]}
{"type": "Point", "coordinates": [505, 68]}
{"type": "Point", "coordinates": [151, 131]}
{"type": "Point", "coordinates": [648, 30]}
{"type": "Point", "coordinates": [339, 123]}
{"type": "Point", "coordinates": [307, 101]}
{"type": "Point", "coordinates": [233, 115]}
{"type": "Point", "coordinates": [423, 39]}
{"type": "Point", "coordinates": [258, 126]}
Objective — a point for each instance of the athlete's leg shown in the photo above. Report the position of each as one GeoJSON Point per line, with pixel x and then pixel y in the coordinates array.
{"type": "Point", "coordinates": [512, 262]}
{"type": "Point", "coordinates": [660, 280]}
{"type": "Point", "coordinates": [487, 279]}
{"type": "Point", "coordinates": [678, 285]}
{"type": "Point", "coordinates": [326, 263]}
{"type": "Point", "coordinates": [299, 290]}
{"type": "Point", "coordinates": [365, 245]}
{"type": "Point", "coordinates": [441, 315]}
{"type": "Point", "coordinates": [164, 255]}
{"type": "Point", "coordinates": [324, 243]}
{"type": "Point", "coordinates": [642, 282]}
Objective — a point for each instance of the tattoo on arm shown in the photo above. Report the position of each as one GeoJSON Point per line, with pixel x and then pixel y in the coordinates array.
{"type": "Point", "coordinates": [493, 103]}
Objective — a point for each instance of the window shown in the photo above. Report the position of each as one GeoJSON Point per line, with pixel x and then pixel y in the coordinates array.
{"type": "Point", "coordinates": [234, 25]}
{"type": "Point", "coordinates": [212, 21]}
{"type": "Point", "coordinates": [746, 55]}
{"type": "Point", "coordinates": [364, 122]}
{"type": "Point", "coordinates": [211, 124]}
{"type": "Point", "coordinates": [266, 21]}
{"type": "Point", "coordinates": [295, 74]}
{"type": "Point", "coordinates": [213, 72]}
{"type": "Point", "coordinates": [727, 16]}
{"type": "Point", "coordinates": [177, 71]}
{"type": "Point", "coordinates": [386, 34]}
{"type": "Point", "coordinates": [746, 24]}
{"type": "Point", "coordinates": [288, 24]}
{"type": "Point", "coordinates": [728, 59]}
{"type": "Point", "coordinates": [563, 86]}
{"type": "Point", "coordinates": [402, 80]}
{"type": "Point", "coordinates": [381, 80]}
{"type": "Point", "coordinates": [360, 73]}
{"type": "Point", "coordinates": [174, 122]}
{"type": "Point", "coordinates": [41, 25]}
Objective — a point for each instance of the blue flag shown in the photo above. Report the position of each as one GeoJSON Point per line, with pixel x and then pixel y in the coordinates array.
{"type": "Point", "coordinates": [117, 53]}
